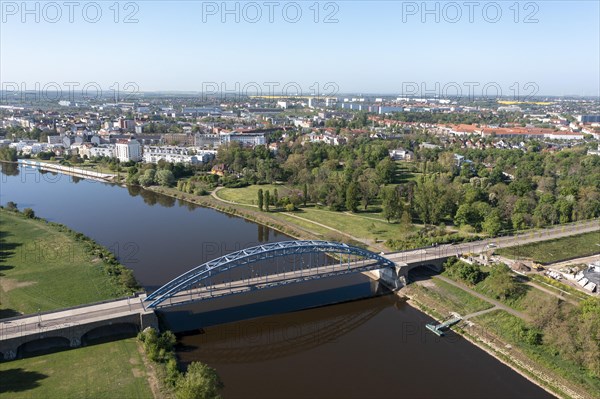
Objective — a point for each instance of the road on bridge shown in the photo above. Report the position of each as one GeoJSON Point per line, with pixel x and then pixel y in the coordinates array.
{"type": "Point", "coordinates": [444, 251]}
{"type": "Point", "coordinates": [43, 322]}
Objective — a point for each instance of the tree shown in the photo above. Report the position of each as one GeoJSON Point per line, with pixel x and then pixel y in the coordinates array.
{"type": "Point", "coordinates": [352, 199]}
{"type": "Point", "coordinates": [12, 206]}
{"type": "Point", "coordinates": [367, 184]}
{"type": "Point", "coordinates": [165, 177]}
{"type": "Point", "coordinates": [386, 170]}
{"type": "Point", "coordinates": [200, 382]}
{"type": "Point", "coordinates": [392, 204]}
{"type": "Point", "coordinates": [8, 154]}
{"type": "Point", "coordinates": [28, 213]}
{"type": "Point", "coordinates": [429, 200]}
{"type": "Point", "coordinates": [492, 223]}
{"type": "Point", "coordinates": [267, 200]}
{"type": "Point", "coordinates": [147, 179]}
{"type": "Point", "coordinates": [260, 199]}
{"type": "Point", "coordinates": [502, 283]}
{"type": "Point", "coordinates": [275, 197]}
{"type": "Point", "coordinates": [305, 194]}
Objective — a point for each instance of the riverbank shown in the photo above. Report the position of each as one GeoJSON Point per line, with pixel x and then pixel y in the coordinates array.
{"type": "Point", "coordinates": [46, 266]}
{"type": "Point", "coordinates": [69, 170]}
{"type": "Point", "coordinates": [485, 331]}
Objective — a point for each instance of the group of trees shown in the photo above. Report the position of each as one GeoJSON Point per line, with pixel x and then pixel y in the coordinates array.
{"type": "Point", "coordinates": [499, 189]}
{"type": "Point", "coordinates": [572, 332]}
{"type": "Point", "coordinates": [163, 174]}
{"type": "Point", "coordinates": [499, 282]}
{"type": "Point", "coordinates": [198, 382]}
{"type": "Point", "coordinates": [289, 202]}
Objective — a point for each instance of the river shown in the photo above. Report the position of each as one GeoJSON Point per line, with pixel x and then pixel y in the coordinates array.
{"type": "Point", "coordinates": [268, 344]}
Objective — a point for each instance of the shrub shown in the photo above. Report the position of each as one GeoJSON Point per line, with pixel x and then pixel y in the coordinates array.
{"type": "Point", "coordinates": [29, 213]}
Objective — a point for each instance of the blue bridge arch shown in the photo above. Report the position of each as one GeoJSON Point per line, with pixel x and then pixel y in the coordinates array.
{"type": "Point", "coordinates": [208, 270]}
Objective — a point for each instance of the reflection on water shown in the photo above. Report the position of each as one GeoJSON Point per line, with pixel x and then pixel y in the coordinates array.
{"type": "Point", "coordinates": [274, 337]}
{"type": "Point", "coordinates": [372, 348]}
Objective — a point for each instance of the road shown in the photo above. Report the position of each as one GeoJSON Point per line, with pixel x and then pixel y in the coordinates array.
{"type": "Point", "coordinates": [63, 318]}
{"type": "Point", "coordinates": [433, 253]}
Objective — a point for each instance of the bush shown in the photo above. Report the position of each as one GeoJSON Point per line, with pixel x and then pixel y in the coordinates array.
{"type": "Point", "coordinates": [29, 213]}
{"type": "Point", "coordinates": [470, 274]}
{"type": "Point", "coordinates": [11, 206]}
{"type": "Point", "coordinates": [200, 382]}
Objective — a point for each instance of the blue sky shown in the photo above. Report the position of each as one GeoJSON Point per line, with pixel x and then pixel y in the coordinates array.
{"type": "Point", "coordinates": [375, 46]}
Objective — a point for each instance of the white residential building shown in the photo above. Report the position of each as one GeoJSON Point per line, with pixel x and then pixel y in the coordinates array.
{"type": "Point", "coordinates": [106, 150]}
{"type": "Point", "coordinates": [247, 139]}
{"type": "Point", "coordinates": [174, 154]}
{"type": "Point", "coordinates": [128, 150]}
{"type": "Point", "coordinates": [401, 154]}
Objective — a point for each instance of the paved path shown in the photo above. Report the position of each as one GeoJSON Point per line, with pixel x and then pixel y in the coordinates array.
{"type": "Point", "coordinates": [215, 196]}
{"type": "Point", "coordinates": [475, 314]}
{"type": "Point", "coordinates": [498, 305]}
{"type": "Point", "coordinates": [364, 241]}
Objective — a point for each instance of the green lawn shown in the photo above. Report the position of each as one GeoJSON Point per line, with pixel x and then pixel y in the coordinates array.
{"type": "Point", "coordinates": [110, 370]}
{"type": "Point", "coordinates": [43, 268]}
{"type": "Point", "coordinates": [249, 195]}
{"type": "Point", "coordinates": [362, 225]}
{"type": "Point", "coordinates": [461, 300]}
{"type": "Point", "coordinates": [556, 250]}
{"type": "Point", "coordinates": [449, 297]}
{"type": "Point", "coordinates": [368, 225]}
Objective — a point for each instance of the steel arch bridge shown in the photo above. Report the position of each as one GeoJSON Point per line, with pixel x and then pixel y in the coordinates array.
{"type": "Point", "coordinates": [204, 275]}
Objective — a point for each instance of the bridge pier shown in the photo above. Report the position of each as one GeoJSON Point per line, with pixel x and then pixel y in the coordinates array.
{"type": "Point", "coordinates": [393, 277]}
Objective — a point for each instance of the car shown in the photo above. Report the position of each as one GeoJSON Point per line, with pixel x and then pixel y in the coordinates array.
{"type": "Point", "coordinates": [492, 245]}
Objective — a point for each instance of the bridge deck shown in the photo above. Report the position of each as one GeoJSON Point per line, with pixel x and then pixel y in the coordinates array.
{"type": "Point", "coordinates": [30, 324]}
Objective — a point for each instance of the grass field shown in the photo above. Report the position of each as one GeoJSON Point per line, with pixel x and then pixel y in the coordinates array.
{"type": "Point", "coordinates": [509, 328]}
{"type": "Point", "coordinates": [43, 268]}
{"type": "Point", "coordinates": [556, 250]}
{"type": "Point", "coordinates": [110, 370]}
{"type": "Point", "coordinates": [249, 195]}
{"type": "Point", "coordinates": [368, 225]}
{"type": "Point", "coordinates": [448, 296]}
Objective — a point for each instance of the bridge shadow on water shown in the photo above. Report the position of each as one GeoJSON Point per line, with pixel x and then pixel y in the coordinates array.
{"type": "Point", "coordinates": [277, 336]}
{"type": "Point", "coordinates": [194, 317]}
